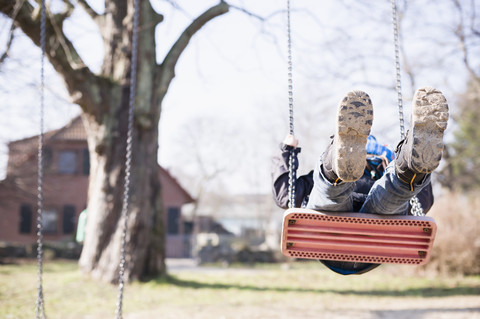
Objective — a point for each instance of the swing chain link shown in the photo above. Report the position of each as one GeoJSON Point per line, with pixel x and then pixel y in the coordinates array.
{"type": "Point", "coordinates": [128, 161]}
{"type": "Point", "coordinates": [290, 68]}
{"type": "Point", "coordinates": [291, 175]}
{"type": "Point", "coordinates": [40, 304]}
{"type": "Point", "coordinates": [398, 85]}
{"type": "Point", "coordinates": [416, 207]}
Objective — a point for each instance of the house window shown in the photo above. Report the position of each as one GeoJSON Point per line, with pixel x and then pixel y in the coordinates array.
{"type": "Point", "coordinates": [68, 219]}
{"type": "Point", "coordinates": [47, 158]}
{"type": "Point", "coordinates": [173, 220]}
{"type": "Point", "coordinates": [86, 162]}
{"type": "Point", "coordinates": [49, 221]}
{"type": "Point", "coordinates": [26, 212]}
{"type": "Point", "coordinates": [67, 162]}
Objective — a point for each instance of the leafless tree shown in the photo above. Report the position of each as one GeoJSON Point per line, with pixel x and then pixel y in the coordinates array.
{"type": "Point", "coordinates": [103, 98]}
{"type": "Point", "coordinates": [467, 32]}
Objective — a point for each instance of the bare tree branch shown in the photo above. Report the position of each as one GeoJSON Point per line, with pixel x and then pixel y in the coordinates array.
{"type": "Point", "coordinates": [11, 35]}
{"type": "Point", "coordinates": [473, 19]}
{"type": "Point", "coordinates": [11, 32]}
{"type": "Point", "coordinates": [249, 13]}
{"type": "Point", "coordinates": [95, 16]}
{"type": "Point", "coordinates": [167, 68]}
{"type": "Point", "coordinates": [176, 6]}
{"type": "Point", "coordinates": [68, 9]}
{"type": "Point", "coordinates": [460, 34]}
{"type": "Point", "coordinates": [59, 49]}
{"type": "Point", "coordinates": [406, 66]}
{"type": "Point", "coordinates": [57, 24]}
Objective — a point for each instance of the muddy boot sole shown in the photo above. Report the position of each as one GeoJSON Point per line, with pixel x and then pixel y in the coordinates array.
{"type": "Point", "coordinates": [429, 121]}
{"type": "Point", "coordinates": [355, 116]}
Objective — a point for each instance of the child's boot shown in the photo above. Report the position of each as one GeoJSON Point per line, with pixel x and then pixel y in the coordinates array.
{"type": "Point", "coordinates": [421, 151]}
{"type": "Point", "coordinates": [344, 159]}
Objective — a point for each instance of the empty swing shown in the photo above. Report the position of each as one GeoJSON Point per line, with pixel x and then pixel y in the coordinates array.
{"type": "Point", "coordinates": [355, 237]}
{"type": "Point", "coordinates": [40, 304]}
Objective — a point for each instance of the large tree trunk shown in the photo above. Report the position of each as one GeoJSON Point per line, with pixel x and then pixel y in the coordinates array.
{"type": "Point", "coordinates": [107, 133]}
{"type": "Point", "coordinates": [104, 102]}
{"type": "Point", "coordinates": [145, 236]}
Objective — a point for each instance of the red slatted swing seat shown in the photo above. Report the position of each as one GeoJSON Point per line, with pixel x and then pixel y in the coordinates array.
{"type": "Point", "coordinates": [356, 237]}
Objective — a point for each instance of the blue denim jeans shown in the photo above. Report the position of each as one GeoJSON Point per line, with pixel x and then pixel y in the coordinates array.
{"type": "Point", "coordinates": [388, 196]}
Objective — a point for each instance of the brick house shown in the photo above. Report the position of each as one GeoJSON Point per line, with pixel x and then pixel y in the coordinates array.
{"type": "Point", "coordinates": [66, 170]}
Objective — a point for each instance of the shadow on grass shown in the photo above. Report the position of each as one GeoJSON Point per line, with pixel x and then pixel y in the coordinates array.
{"type": "Point", "coordinates": [419, 292]}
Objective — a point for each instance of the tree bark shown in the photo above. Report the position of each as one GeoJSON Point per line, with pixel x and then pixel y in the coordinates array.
{"type": "Point", "coordinates": [145, 236]}
{"type": "Point", "coordinates": [104, 100]}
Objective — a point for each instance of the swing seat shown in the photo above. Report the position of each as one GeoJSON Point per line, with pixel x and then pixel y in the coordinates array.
{"type": "Point", "coordinates": [356, 237]}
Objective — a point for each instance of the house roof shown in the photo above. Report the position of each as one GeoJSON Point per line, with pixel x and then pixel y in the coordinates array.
{"type": "Point", "coordinates": [74, 130]}
{"type": "Point", "coordinates": [23, 150]}
{"type": "Point", "coordinates": [165, 175]}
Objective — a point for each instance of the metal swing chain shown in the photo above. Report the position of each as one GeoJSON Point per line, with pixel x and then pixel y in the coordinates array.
{"type": "Point", "coordinates": [128, 158]}
{"type": "Point", "coordinates": [291, 176]}
{"type": "Point", "coordinates": [417, 209]}
{"type": "Point", "coordinates": [40, 304]}
{"type": "Point", "coordinates": [397, 68]}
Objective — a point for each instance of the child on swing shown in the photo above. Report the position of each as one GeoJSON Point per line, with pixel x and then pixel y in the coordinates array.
{"type": "Point", "coordinates": [357, 174]}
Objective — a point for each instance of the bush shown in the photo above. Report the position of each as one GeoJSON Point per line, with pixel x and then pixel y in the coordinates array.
{"type": "Point", "coordinates": [60, 249]}
{"type": "Point", "coordinates": [457, 245]}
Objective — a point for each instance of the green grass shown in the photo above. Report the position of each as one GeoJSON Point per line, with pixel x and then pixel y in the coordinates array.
{"type": "Point", "coordinates": [270, 288]}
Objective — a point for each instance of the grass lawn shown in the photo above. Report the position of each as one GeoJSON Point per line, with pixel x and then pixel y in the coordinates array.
{"type": "Point", "coordinates": [301, 290]}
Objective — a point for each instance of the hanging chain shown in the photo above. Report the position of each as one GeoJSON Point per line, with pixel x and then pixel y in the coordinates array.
{"type": "Point", "coordinates": [416, 209]}
{"type": "Point", "coordinates": [397, 68]}
{"type": "Point", "coordinates": [128, 160]}
{"type": "Point", "coordinates": [291, 175]}
{"type": "Point", "coordinates": [40, 305]}
{"type": "Point", "coordinates": [290, 68]}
